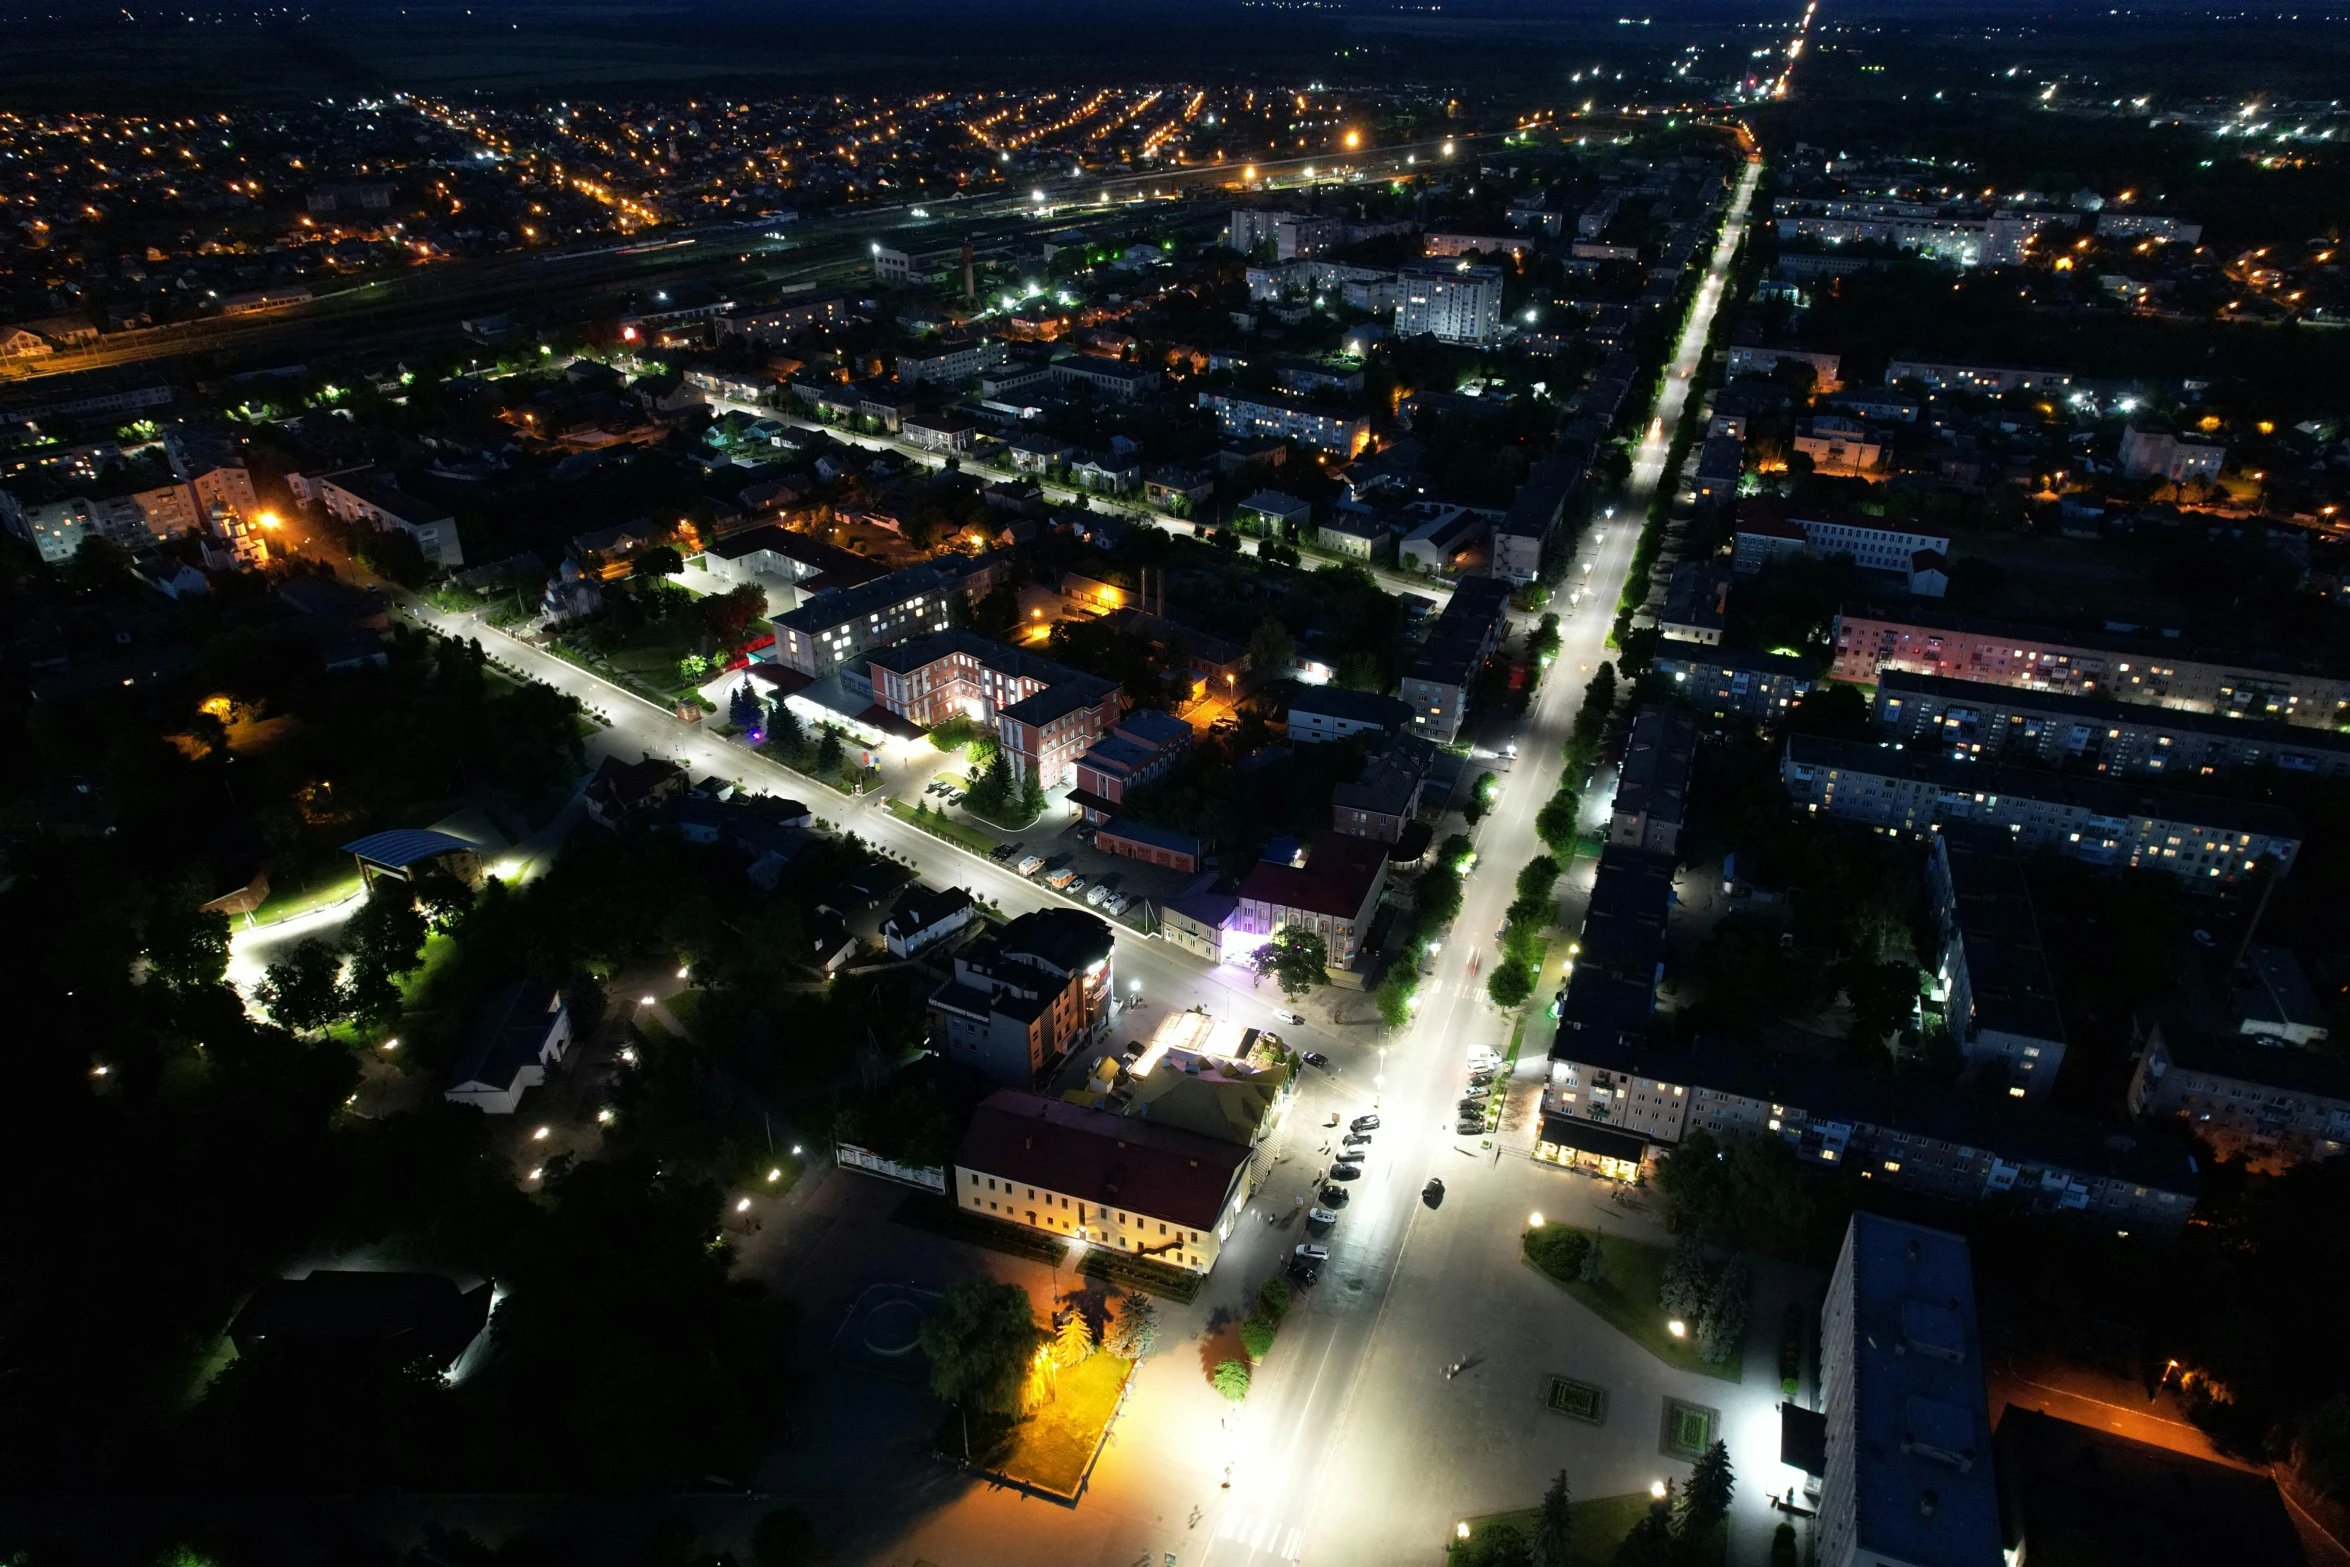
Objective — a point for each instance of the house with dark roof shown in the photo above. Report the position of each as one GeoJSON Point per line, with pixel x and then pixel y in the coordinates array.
{"type": "Point", "coordinates": [1022, 997]}
{"type": "Point", "coordinates": [1320, 713]}
{"type": "Point", "coordinates": [1078, 1173]}
{"type": "Point", "coordinates": [521, 1031]}
{"type": "Point", "coordinates": [1384, 803]}
{"type": "Point", "coordinates": [1122, 835]}
{"type": "Point", "coordinates": [338, 1313]}
{"type": "Point", "coordinates": [923, 917]}
{"type": "Point", "coordinates": [625, 792]}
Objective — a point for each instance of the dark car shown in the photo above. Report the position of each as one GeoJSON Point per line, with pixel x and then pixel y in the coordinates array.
{"type": "Point", "coordinates": [1357, 1139]}
{"type": "Point", "coordinates": [1306, 1273]}
{"type": "Point", "coordinates": [1365, 1123]}
{"type": "Point", "coordinates": [1433, 1192]}
{"type": "Point", "coordinates": [1334, 1196]}
{"type": "Point", "coordinates": [1315, 1058]}
{"type": "Point", "coordinates": [1346, 1172]}
{"type": "Point", "coordinates": [1469, 1129]}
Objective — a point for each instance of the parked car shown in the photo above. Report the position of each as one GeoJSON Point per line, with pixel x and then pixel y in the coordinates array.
{"type": "Point", "coordinates": [1097, 895]}
{"type": "Point", "coordinates": [1117, 903]}
{"type": "Point", "coordinates": [1030, 864]}
{"type": "Point", "coordinates": [1469, 1129]}
{"type": "Point", "coordinates": [1346, 1172]}
{"type": "Point", "coordinates": [1320, 1216]}
{"type": "Point", "coordinates": [1333, 1196]}
{"type": "Point", "coordinates": [1313, 1253]}
{"type": "Point", "coordinates": [1433, 1192]}
{"type": "Point", "coordinates": [1306, 1273]}
{"type": "Point", "coordinates": [1315, 1058]}
{"type": "Point", "coordinates": [1004, 851]}
{"type": "Point", "coordinates": [1295, 1019]}
{"type": "Point", "coordinates": [1366, 1123]}
{"type": "Point", "coordinates": [1061, 878]}
{"type": "Point", "coordinates": [1357, 1139]}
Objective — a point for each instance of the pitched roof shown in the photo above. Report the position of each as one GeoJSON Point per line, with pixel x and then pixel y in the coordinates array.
{"type": "Point", "coordinates": [1103, 1158]}
{"type": "Point", "coordinates": [1334, 880]}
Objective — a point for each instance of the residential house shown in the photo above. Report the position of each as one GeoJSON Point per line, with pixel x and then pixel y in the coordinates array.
{"type": "Point", "coordinates": [923, 917]}
{"type": "Point", "coordinates": [1318, 714]}
{"type": "Point", "coordinates": [1024, 996]}
{"type": "Point", "coordinates": [625, 792]}
{"type": "Point", "coordinates": [523, 1029]}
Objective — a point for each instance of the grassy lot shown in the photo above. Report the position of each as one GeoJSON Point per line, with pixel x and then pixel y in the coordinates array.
{"type": "Point", "coordinates": [1053, 1446]}
{"type": "Point", "coordinates": [945, 827]}
{"type": "Point", "coordinates": [289, 903]}
{"type": "Point", "coordinates": [1600, 1526]}
{"type": "Point", "coordinates": [1631, 1278]}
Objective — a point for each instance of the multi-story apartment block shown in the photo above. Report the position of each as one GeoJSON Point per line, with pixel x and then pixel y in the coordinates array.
{"type": "Point", "coordinates": [2255, 1098]}
{"type": "Point", "coordinates": [1023, 997]}
{"type": "Point", "coordinates": [2165, 454]}
{"type": "Point", "coordinates": [1385, 800]}
{"type": "Point", "coordinates": [1752, 359]}
{"type": "Point", "coordinates": [1111, 378]}
{"type": "Point", "coordinates": [1615, 1106]}
{"type": "Point", "coordinates": [369, 501]}
{"type": "Point", "coordinates": [1526, 533]}
{"type": "Point", "coordinates": [952, 361]}
{"type": "Point", "coordinates": [1079, 1173]}
{"type": "Point", "coordinates": [1652, 785]}
{"type": "Point", "coordinates": [1436, 686]}
{"type": "Point", "coordinates": [1142, 746]}
{"type": "Point", "coordinates": [1909, 1480]}
{"type": "Point", "coordinates": [2205, 842]}
{"type": "Point", "coordinates": [1969, 720]}
{"type": "Point", "coordinates": [1993, 973]}
{"type": "Point", "coordinates": [2082, 663]}
{"type": "Point", "coordinates": [1988, 379]}
{"type": "Point", "coordinates": [1736, 682]}
{"type": "Point", "coordinates": [1457, 303]}
{"type": "Point", "coordinates": [779, 323]}
{"type": "Point", "coordinates": [1255, 415]}
{"type": "Point", "coordinates": [1916, 554]}
{"type": "Point", "coordinates": [929, 679]}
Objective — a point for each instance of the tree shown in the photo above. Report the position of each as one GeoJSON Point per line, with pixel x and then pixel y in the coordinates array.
{"type": "Point", "coordinates": [303, 990]}
{"type": "Point", "coordinates": [1074, 1343]}
{"type": "Point", "coordinates": [1721, 1332]}
{"type": "Point", "coordinates": [728, 617]}
{"type": "Point", "coordinates": [1395, 995]}
{"type": "Point", "coordinates": [1273, 1299]}
{"type": "Point", "coordinates": [785, 1538]}
{"type": "Point", "coordinates": [1231, 1379]}
{"type": "Point", "coordinates": [1134, 1329]}
{"type": "Point", "coordinates": [656, 560]}
{"type": "Point", "coordinates": [1686, 1281]}
{"type": "Point", "coordinates": [1538, 878]}
{"type": "Point", "coordinates": [187, 948]}
{"type": "Point", "coordinates": [1650, 1544]}
{"type": "Point", "coordinates": [784, 734]}
{"type": "Point", "coordinates": [1555, 822]}
{"type": "Point", "coordinates": [1554, 1526]}
{"type": "Point", "coordinates": [1510, 983]}
{"type": "Point", "coordinates": [980, 1342]}
{"type": "Point", "coordinates": [1271, 649]}
{"type": "Point", "coordinates": [1785, 1552]}
{"type": "Point", "coordinates": [1481, 798]}
{"type": "Point", "coordinates": [386, 937]}
{"type": "Point", "coordinates": [1497, 1545]}
{"type": "Point", "coordinates": [1296, 957]}
{"type": "Point", "coordinates": [1704, 1498]}
{"type": "Point", "coordinates": [1256, 1337]}
{"type": "Point", "coordinates": [829, 755]}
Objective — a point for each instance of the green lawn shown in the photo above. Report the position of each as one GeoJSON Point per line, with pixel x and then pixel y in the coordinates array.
{"type": "Point", "coordinates": [286, 904]}
{"type": "Point", "coordinates": [945, 827]}
{"type": "Point", "coordinates": [1052, 1447]}
{"type": "Point", "coordinates": [1600, 1526]}
{"type": "Point", "coordinates": [1631, 1278]}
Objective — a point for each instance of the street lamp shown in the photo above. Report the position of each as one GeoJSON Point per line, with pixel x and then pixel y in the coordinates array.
{"type": "Point", "coordinates": [1534, 1221]}
{"type": "Point", "coordinates": [1677, 1328]}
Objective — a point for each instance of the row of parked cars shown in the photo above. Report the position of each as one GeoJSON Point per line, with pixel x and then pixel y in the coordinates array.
{"type": "Point", "coordinates": [947, 791]}
{"type": "Point", "coordinates": [1479, 1104]}
{"type": "Point", "coordinates": [1101, 893]}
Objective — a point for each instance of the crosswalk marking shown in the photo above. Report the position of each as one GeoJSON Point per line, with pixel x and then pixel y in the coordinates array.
{"type": "Point", "coordinates": [1260, 1534]}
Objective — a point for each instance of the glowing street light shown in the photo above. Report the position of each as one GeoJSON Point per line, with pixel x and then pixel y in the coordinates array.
{"type": "Point", "coordinates": [540, 1135]}
{"type": "Point", "coordinates": [1534, 1221]}
{"type": "Point", "coordinates": [773, 1176]}
{"type": "Point", "coordinates": [1677, 1328]}
{"type": "Point", "coordinates": [743, 1206]}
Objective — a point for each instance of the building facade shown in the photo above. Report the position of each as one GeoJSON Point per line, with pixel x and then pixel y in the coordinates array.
{"type": "Point", "coordinates": [1022, 997]}
{"type": "Point", "coordinates": [1263, 415]}
{"type": "Point", "coordinates": [1455, 303]}
{"type": "Point", "coordinates": [1992, 973]}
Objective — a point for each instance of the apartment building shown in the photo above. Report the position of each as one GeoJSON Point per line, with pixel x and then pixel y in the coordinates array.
{"type": "Point", "coordinates": [2081, 663]}
{"type": "Point", "coordinates": [369, 500]}
{"type": "Point", "coordinates": [1971, 720]}
{"type": "Point", "coordinates": [1384, 802]}
{"type": "Point", "coordinates": [2168, 455]}
{"type": "Point", "coordinates": [1652, 786]}
{"type": "Point", "coordinates": [1042, 736]}
{"type": "Point", "coordinates": [1318, 714]}
{"type": "Point", "coordinates": [1022, 997]}
{"type": "Point", "coordinates": [2252, 1097]}
{"type": "Point", "coordinates": [1270, 415]}
{"type": "Point", "coordinates": [1938, 376]}
{"type": "Point", "coordinates": [1638, 1103]}
{"type": "Point", "coordinates": [1143, 745]}
{"type": "Point", "coordinates": [1454, 302]}
{"type": "Point", "coordinates": [1079, 1173]}
{"type": "Point", "coordinates": [1992, 973]}
{"type": "Point", "coordinates": [2205, 842]}
{"type": "Point", "coordinates": [774, 324]}
{"type": "Point", "coordinates": [931, 678]}
{"type": "Point", "coordinates": [1910, 1480]}
{"type": "Point", "coordinates": [1527, 533]}
{"type": "Point", "coordinates": [1752, 359]}
{"type": "Point", "coordinates": [1109, 378]}
{"type": "Point", "coordinates": [1736, 682]}
{"type": "Point", "coordinates": [1436, 685]}
{"type": "Point", "coordinates": [1917, 555]}
{"type": "Point", "coordinates": [953, 360]}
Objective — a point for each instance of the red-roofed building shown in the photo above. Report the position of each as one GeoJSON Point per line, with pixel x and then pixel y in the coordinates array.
{"type": "Point", "coordinates": [1333, 895]}
{"type": "Point", "coordinates": [1072, 1171]}
{"type": "Point", "coordinates": [1886, 544]}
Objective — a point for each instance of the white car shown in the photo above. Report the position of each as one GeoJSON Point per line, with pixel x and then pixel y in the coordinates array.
{"type": "Point", "coordinates": [1097, 895]}
{"type": "Point", "coordinates": [1030, 864]}
{"type": "Point", "coordinates": [1321, 1216]}
{"type": "Point", "coordinates": [1314, 1253]}
{"type": "Point", "coordinates": [1116, 903]}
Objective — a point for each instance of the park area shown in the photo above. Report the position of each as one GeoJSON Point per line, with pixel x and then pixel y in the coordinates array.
{"type": "Point", "coordinates": [1626, 1292]}
{"type": "Point", "coordinates": [1053, 1447]}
